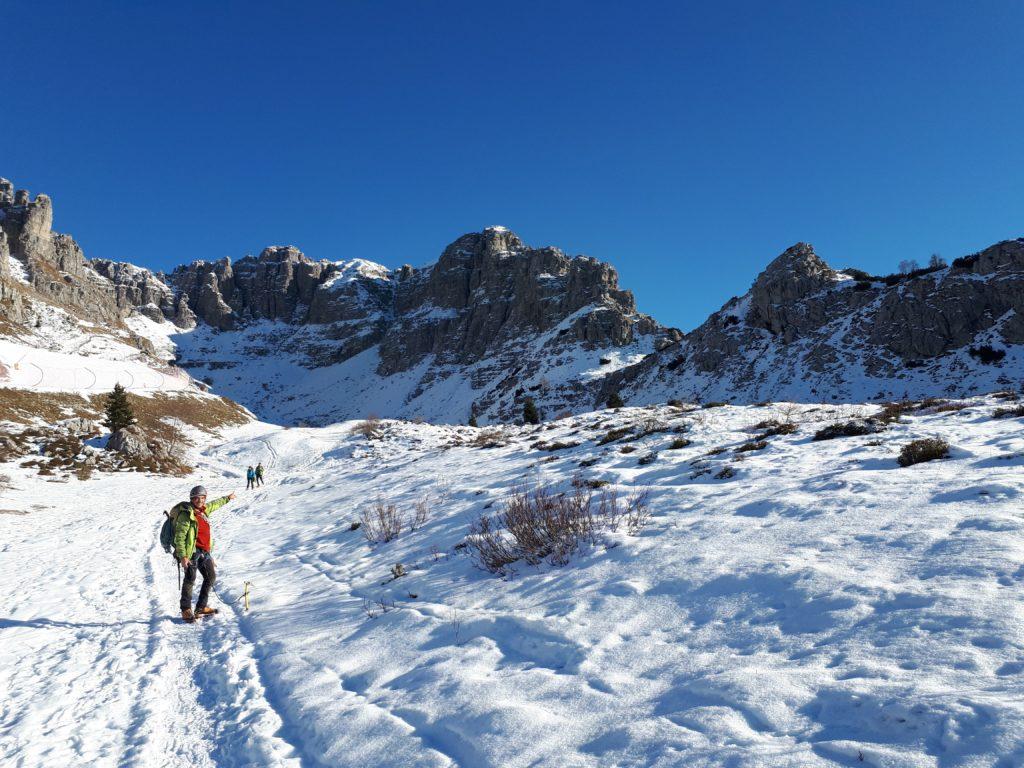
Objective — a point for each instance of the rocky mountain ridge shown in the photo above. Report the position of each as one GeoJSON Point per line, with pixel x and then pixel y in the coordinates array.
{"type": "Point", "coordinates": [491, 322]}
{"type": "Point", "coordinates": [495, 321]}
{"type": "Point", "coordinates": [807, 332]}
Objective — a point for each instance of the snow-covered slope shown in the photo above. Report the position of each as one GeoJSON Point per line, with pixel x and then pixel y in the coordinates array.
{"type": "Point", "coordinates": [266, 366]}
{"type": "Point", "coordinates": [822, 606]}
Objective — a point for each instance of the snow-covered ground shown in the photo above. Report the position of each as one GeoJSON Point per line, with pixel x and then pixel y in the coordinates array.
{"type": "Point", "coordinates": [92, 370]}
{"type": "Point", "coordinates": [252, 365]}
{"type": "Point", "coordinates": [821, 607]}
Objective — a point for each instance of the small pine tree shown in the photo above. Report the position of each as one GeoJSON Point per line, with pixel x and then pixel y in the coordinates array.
{"type": "Point", "coordinates": [530, 413]}
{"type": "Point", "coordinates": [118, 410]}
{"type": "Point", "coordinates": [615, 401]}
{"type": "Point", "coordinates": [472, 420]}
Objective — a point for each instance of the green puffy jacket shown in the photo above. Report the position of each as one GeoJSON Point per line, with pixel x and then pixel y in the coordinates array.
{"type": "Point", "coordinates": [186, 527]}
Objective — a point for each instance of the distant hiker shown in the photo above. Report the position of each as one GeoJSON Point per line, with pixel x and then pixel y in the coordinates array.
{"type": "Point", "coordinates": [259, 473]}
{"type": "Point", "coordinates": [250, 478]}
{"type": "Point", "coordinates": [193, 543]}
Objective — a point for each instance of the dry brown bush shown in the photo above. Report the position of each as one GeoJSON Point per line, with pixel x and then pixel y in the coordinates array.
{"type": "Point", "coordinates": [1008, 413]}
{"type": "Point", "coordinates": [755, 445]}
{"type": "Point", "coordinates": [381, 522]}
{"type": "Point", "coordinates": [638, 512]}
{"type": "Point", "coordinates": [539, 524]}
{"type": "Point", "coordinates": [370, 428]}
{"type": "Point", "coordinates": [489, 437]}
{"type": "Point", "coordinates": [614, 434]}
{"type": "Point", "coordinates": [420, 515]}
{"type": "Point", "coordinates": [919, 451]}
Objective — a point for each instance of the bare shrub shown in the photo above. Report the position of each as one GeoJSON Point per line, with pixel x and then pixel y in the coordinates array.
{"type": "Point", "coordinates": [614, 434]}
{"type": "Point", "coordinates": [755, 445]}
{"type": "Point", "coordinates": [714, 404]}
{"type": "Point", "coordinates": [420, 515]}
{"type": "Point", "coordinates": [851, 428]}
{"type": "Point", "coordinates": [789, 412]}
{"type": "Point", "coordinates": [1009, 412]}
{"type": "Point", "coordinates": [370, 428]}
{"type": "Point", "coordinates": [891, 412]}
{"type": "Point", "coordinates": [772, 428]}
{"type": "Point", "coordinates": [489, 437]}
{"type": "Point", "coordinates": [918, 451]}
{"type": "Point", "coordinates": [627, 449]}
{"type": "Point", "coordinates": [556, 446]}
{"type": "Point", "coordinates": [679, 442]}
{"type": "Point", "coordinates": [650, 426]}
{"type": "Point", "coordinates": [381, 523]}
{"type": "Point", "coordinates": [725, 473]}
{"type": "Point", "coordinates": [650, 458]}
{"type": "Point", "coordinates": [491, 549]}
{"type": "Point", "coordinates": [539, 524]}
{"type": "Point", "coordinates": [638, 511]}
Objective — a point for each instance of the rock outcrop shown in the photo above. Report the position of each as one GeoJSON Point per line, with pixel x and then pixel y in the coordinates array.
{"type": "Point", "coordinates": [805, 331]}
{"type": "Point", "coordinates": [493, 313]}
{"type": "Point", "coordinates": [38, 263]}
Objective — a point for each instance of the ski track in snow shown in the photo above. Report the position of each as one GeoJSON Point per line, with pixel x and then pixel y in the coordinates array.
{"type": "Point", "coordinates": [822, 608]}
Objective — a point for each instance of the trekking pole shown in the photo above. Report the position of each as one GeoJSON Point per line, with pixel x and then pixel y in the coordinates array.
{"type": "Point", "coordinates": [179, 574]}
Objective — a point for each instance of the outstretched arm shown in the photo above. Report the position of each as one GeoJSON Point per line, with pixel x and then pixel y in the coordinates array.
{"type": "Point", "coordinates": [216, 504]}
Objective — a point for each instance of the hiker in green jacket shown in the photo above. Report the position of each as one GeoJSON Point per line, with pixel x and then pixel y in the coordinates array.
{"type": "Point", "coordinates": [193, 543]}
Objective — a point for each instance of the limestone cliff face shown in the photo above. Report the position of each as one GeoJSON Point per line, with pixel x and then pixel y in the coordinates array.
{"type": "Point", "coordinates": [492, 312]}
{"type": "Point", "coordinates": [37, 263]}
{"type": "Point", "coordinates": [495, 321]}
{"type": "Point", "coordinates": [806, 331]}
{"type": "Point", "coordinates": [485, 289]}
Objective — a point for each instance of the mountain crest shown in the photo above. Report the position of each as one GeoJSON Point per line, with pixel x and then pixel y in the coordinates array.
{"type": "Point", "coordinates": [791, 277]}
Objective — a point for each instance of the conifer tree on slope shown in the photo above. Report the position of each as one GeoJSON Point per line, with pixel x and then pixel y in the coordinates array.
{"type": "Point", "coordinates": [118, 410]}
{"type": "Point", "coordinates": [530, 413]}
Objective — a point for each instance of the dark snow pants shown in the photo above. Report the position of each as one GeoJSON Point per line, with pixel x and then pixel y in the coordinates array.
{"type": "Point", "coordinates": [202, 562]}
{"type": "Point", "coordinates": [250, 483]}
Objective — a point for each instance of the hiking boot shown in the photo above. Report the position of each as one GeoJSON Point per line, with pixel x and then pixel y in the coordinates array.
{"type": "Point", "coordinates": [205, 611]}
{"type": "Point", "coordinates": [187, 615]}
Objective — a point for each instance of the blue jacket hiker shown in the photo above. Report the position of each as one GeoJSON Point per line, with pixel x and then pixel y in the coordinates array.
{"type": "Point", "coordinates": [250, 478]}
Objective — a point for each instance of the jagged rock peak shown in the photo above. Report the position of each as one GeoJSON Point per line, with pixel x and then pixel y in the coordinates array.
{"type": "Point", "coordinates": [282, 254]}
{"type": "Point", "coordinates": [798, 260]}
{"type": "Point", "coordinates": [491, 242]}
{"type": "Point", "coordinates": [794, 275]}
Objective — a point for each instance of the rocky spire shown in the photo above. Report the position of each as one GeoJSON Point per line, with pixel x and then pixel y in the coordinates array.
{"type": "Point", "coordinates": [794, 275]}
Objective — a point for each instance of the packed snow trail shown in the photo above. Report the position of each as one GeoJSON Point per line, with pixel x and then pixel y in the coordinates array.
{"type": "Point", "coordinates": [95, 664]}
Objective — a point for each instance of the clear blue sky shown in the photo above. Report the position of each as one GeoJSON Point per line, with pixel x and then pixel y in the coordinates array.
{"type": "Point", "coordinates": [686, 143]}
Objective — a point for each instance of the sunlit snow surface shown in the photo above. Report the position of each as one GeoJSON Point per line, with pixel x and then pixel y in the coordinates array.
{"type": "Point", "coordinates": [823, 607]}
